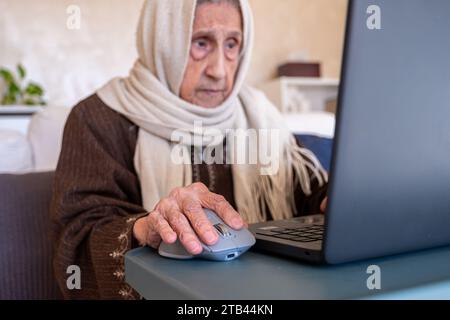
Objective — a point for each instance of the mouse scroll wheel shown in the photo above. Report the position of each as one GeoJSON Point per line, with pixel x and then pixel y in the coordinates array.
{"type": "Point", "coordinates": [222, 229]}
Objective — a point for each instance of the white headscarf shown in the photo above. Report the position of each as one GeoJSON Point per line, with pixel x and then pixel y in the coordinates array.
{"type": "Point", "coordinates": [149, 97]}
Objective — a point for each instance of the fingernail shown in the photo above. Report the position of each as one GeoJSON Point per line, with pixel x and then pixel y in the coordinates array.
{"type": "Point", "coordinates": [237, 222]}
{"type": "Point", "coordinates": [172, 236]}
{"type": "Point", "coordinates": [209, 236]}
{"type": "Point", "coordinates": [193, 246]}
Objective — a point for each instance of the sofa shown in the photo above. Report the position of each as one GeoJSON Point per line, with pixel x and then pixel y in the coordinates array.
{"type": "Point", "coordinates": [38, 149]}
{"type": "Point", "coordinates": [25, 243]}
{"type": "Point", "coordinates": [25, 229]}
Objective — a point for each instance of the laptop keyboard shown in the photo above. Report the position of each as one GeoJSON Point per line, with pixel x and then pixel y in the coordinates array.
{"type": "Point", "coordinates": [306, 233]}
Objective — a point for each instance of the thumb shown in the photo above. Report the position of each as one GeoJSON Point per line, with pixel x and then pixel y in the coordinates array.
{"type": "Point", "coordinates": [323, 205]}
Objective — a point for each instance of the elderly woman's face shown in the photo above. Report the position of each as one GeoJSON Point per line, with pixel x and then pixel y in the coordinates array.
{"type": "Point", "coordinates": [214, 55]}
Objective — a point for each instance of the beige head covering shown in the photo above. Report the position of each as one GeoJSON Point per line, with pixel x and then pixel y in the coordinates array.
{"type": "Point", "coordinates": [149, 97]}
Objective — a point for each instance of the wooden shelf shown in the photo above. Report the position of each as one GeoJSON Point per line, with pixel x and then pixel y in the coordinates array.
{"type": "Point", "coordinates": [19, 110]}
{"type": "Point", "coordinates": [295, 94]}
{"type": "Point", "coordinates": [321, 82]}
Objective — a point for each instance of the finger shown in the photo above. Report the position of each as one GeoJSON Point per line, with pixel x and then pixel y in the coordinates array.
{"type": "Point", "coordinates": [152, 238]}
{"type": "Point", "coordinates": [223, 209]}
{"type": "Point", "coordinates": [149, 237]}
{"type": "Point", "coordinates": [162, 227]}
{"type": "Point", "coordinates": [323, 205]}
{"type": "Point", "coordinates": [199, 221]}
{"type": "Point", "coordinates": [187, 236]}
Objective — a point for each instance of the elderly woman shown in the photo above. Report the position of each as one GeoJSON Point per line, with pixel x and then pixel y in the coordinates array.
{"type": "Point", "coordinates": [117, 185]}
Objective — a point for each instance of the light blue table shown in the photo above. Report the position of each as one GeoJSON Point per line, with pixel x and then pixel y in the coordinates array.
{"type": "Point", "coordinates": [419, 275]}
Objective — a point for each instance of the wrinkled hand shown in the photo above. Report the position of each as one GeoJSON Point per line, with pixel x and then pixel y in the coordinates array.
{"type": "Point", "coordinates": [181, 215]}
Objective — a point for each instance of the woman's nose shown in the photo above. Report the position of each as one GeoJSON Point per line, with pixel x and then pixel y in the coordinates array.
{"type": "Point", "coordinates": [217, 65]}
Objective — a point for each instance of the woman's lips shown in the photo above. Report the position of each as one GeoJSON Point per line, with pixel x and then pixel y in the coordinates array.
{"type": "Point", "coordinates": [211, 92]}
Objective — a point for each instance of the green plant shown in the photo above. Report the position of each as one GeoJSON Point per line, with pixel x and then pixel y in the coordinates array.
{"type": "Point", "coordinates": [17, 92]}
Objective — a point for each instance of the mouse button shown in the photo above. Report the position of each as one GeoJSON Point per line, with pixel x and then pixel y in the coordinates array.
{"type": "Point", "coordinates": [206, 248]}
{"type": "Point", "coordinates": [211, 215]}
{"type": "Point", "coordinates": [221, 245]}
{"type": "Point", "coordinates": [176, 251]}
{"type": "Point", "coordinates": [244, 238]}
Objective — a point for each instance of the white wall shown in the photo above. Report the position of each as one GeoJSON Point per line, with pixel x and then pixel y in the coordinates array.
{"type": "Point", "coordinates": [69, 63]}
{"type": "Point", "coordinates": [313, 28]}
{"type": "Point", "coordinates": [72, 63]}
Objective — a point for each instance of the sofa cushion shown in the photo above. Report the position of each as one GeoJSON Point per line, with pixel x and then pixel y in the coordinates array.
{"type": "Point", "coordinates": [322, 147]}
{"type": "Point", "coordinates": [317, 123]}
{"type": "Point", "coordinates": [15, 152]}
{"type": "Point", "coordinates": [25, 244]}
{"type": "Point", "coordinates": [45, 135]}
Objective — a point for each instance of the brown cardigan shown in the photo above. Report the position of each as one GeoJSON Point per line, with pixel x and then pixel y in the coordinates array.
{"type": "Point", "coordinates": [96, 200]}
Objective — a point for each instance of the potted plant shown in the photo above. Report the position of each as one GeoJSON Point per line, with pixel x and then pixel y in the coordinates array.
{"type": "Point", "coordinates": [19, 96]}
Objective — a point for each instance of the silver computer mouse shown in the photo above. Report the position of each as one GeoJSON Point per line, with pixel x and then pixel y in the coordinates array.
{"type": "Point", "coordinates": [231, 243]}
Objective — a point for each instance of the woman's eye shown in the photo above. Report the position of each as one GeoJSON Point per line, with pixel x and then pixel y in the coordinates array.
{"type": "Point", "coordinates": [231, 45]}
{"type": "Point", "coordinates": [200, 48]}
{"type": "Point", "coordinates": [232, 49]}
{"type": "Point", "coordinates": [201, 44]}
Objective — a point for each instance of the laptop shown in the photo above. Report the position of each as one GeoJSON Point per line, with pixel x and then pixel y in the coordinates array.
{"type": "Point", "coordinates": [389, 188]}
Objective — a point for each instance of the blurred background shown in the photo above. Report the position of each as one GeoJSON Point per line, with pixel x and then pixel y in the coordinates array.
{"type": "Point", "coordinates": [67, 49]}
{"type": "Point", "coordinates": [54, 53]}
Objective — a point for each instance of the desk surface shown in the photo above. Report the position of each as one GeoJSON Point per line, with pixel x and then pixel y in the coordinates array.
{"type": "Point", "coordinates": [419, 275]}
